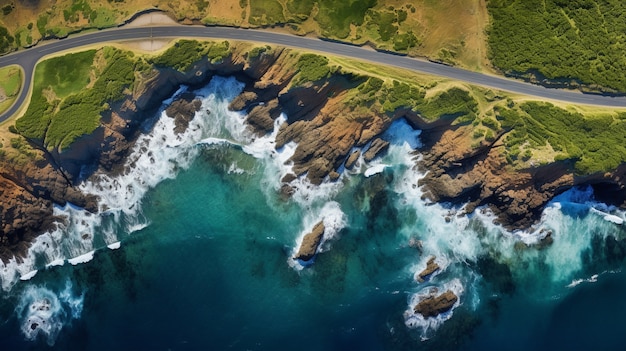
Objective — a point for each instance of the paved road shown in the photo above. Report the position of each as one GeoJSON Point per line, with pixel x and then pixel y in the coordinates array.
{"type": "Point", "coordinates": [28, 58]}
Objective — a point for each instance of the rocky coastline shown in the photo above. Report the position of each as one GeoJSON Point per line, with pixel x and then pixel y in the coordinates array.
{"type": "Point", "coordinates": [461, 175]}
{"type": "Point", "coordinates": [326, 131]}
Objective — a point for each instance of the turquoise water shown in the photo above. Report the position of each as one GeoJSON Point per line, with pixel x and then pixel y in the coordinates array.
{"type": "Point", "coordinates": [205, 246]}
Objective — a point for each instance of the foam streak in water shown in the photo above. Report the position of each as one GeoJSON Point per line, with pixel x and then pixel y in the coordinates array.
{"type": "Point", "coordinates": [43, 313]}
{"type": "Point", "coordinates": [156, 156]}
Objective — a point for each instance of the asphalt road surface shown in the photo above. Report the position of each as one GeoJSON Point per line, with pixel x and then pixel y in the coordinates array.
{"type": "Point", "coordinates": [28, 59]}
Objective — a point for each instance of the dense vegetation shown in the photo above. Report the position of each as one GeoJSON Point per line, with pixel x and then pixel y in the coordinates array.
{"type": "Point", "coordinates": [62, 107]}
{"type": "Point", "coordinates": [311, 68]}
{"type": "Point", "coordinates": [594, 143]}
{"type": "Point", "coordinates": [266, 11]}
{"type": "Point", "coordinates": [580, 40]}
{"type": "Point", "coordinates": [184, 53]}
{"type": "Point", "coordinates": [6, 40]}
{"type": "Point", "coordinates": [392, 95]}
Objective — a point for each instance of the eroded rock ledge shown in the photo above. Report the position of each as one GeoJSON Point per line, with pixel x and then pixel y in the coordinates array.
{"type": "Point", "coordinates": [327, 131]}
{"type": "Point", "coordinates": [461, 174]}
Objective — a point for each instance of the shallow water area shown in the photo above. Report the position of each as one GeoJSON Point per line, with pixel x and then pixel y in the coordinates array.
{"type": "Point", "coordinates": [194, 250]}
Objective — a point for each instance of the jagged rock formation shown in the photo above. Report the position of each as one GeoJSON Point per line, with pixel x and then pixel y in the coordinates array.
{"type": "Point", "coordinates": [459, 173]}
{"type": "Point", "coordinates": [310, 243]}
{"type": "Point", "coordinates": [434, 305]}
{"type": "Point", "coordinates": [326, 129]}
{"type": "Point", "coordinates": [431, 267]}
{"type": "Point", "coordinates": [183, 110]}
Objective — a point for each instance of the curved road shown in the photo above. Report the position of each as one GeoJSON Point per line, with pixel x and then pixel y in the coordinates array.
{"type": "Point", "coordinates": [28, 59]}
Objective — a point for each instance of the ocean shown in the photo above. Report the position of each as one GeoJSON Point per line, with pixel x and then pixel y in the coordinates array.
{"type": "Point", "coordinates": [193, 247]}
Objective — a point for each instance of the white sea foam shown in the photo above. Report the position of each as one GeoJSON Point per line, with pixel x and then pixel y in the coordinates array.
{"type": "Point", "coordinates": [29, 275]}
{"type": "Point", "coordinates": [402, 134]}
{"type": "Point", "coordinates": [334, 221]}
{"type": "Point", "coordinates": [44, 313]}
{"type": "Point", "coordinates": [57, 262]}
{"type": "Point", "coordinates": [608, 217]}
{"type": "Point", "coordinates": [375, 169]}
{"type": "Point", "coordinates": [84, 258]}
{"type": "Point", "coordinates": [114, 246]}
{"type": "Point", "coordinates": [156, 156]}
{"type": "Point", "coordinates": [428, 326]}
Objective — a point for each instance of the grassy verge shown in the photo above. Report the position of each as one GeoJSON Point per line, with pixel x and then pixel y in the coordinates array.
{"type": "Point", "coordinates": [184, 53]}
{"type": "Point", "coordinates": [10, 84]}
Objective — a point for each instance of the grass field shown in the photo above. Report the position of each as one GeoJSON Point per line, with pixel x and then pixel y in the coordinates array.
{"type": "Point", "coordinates": [10, 84]}
{"type": "Point", "coordinates": [71, 91]}
{"type": "Point", "coordinates": [447, 30]}
{"type": "Point", "coordinates": [65, 75]}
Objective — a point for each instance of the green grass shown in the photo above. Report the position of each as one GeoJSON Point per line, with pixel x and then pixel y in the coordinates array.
{"type": "Point", "coordinates": [67, 74]}
{"type": "Point", "coordinates": [390, 96]}
{"type": "Point", "coordinates": [594, 143]}
{"type": "Point", "coordinates": [452, 103]}
{"type": "Point", "coordinates": [264, 12]}
{"type": "Point", "coordinates": [300, 8]}
{"type": "Point", "coordinates": [10, 83]}
{"type": "Point", "coordinates": [579, 40]}
{"type": "Point", "coordinates": [10, 80]}
{"type": "Point", "coordinates": [75, 110]}
{"type": "Point", "coordinates": [335, 17]}
{"type": "Point", "coordinates": [311, 68]}
{"type": "Point", "coordinates": [184, 53]}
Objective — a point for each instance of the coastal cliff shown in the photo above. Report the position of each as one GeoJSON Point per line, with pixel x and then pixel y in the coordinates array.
{"type": "Point", "coordinates": [333, 113]}
{"type": "Point", "coordinates": [460, 174]}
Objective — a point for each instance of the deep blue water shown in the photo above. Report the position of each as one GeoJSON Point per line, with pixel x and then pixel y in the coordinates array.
{"type": "Point", "coordinates": [212, 270]}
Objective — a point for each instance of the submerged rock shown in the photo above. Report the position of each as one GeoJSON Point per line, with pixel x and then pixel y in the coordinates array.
{"type": "Point", "coordinates": [431, 267]}
{"type": "Point", "coordinates": [310, 243]}
{"type": "Point", "coordinates": [433, 306]}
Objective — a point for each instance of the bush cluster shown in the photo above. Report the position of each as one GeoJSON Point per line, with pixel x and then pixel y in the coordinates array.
{"type": "Point", "coordinates": [580, 40]}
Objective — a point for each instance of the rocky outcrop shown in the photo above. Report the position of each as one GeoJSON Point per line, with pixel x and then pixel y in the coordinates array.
{"type": "Point", "coordinates": [183, 111]}
{"type": "Point", "coordinates": [460, 173]}
{"type": "Point", "coordinates": [431, 267]}
{"type": "Point", "coordinates": [434, 305]}
{"type": "Point", "coordinates": [31, 187]}
{"type": "Point", "coordinates": [376, 148]}
{"type": "Point", "coordinates": [310, 243]}
{"type": "Point", "coordinates": [28, 191]}
{"type": "Point", "coordinates": [352, 159]}
{"type": "Point", "coordinates": [261, 117]}
{"type": "Point", "coordinates": [325, 128]}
